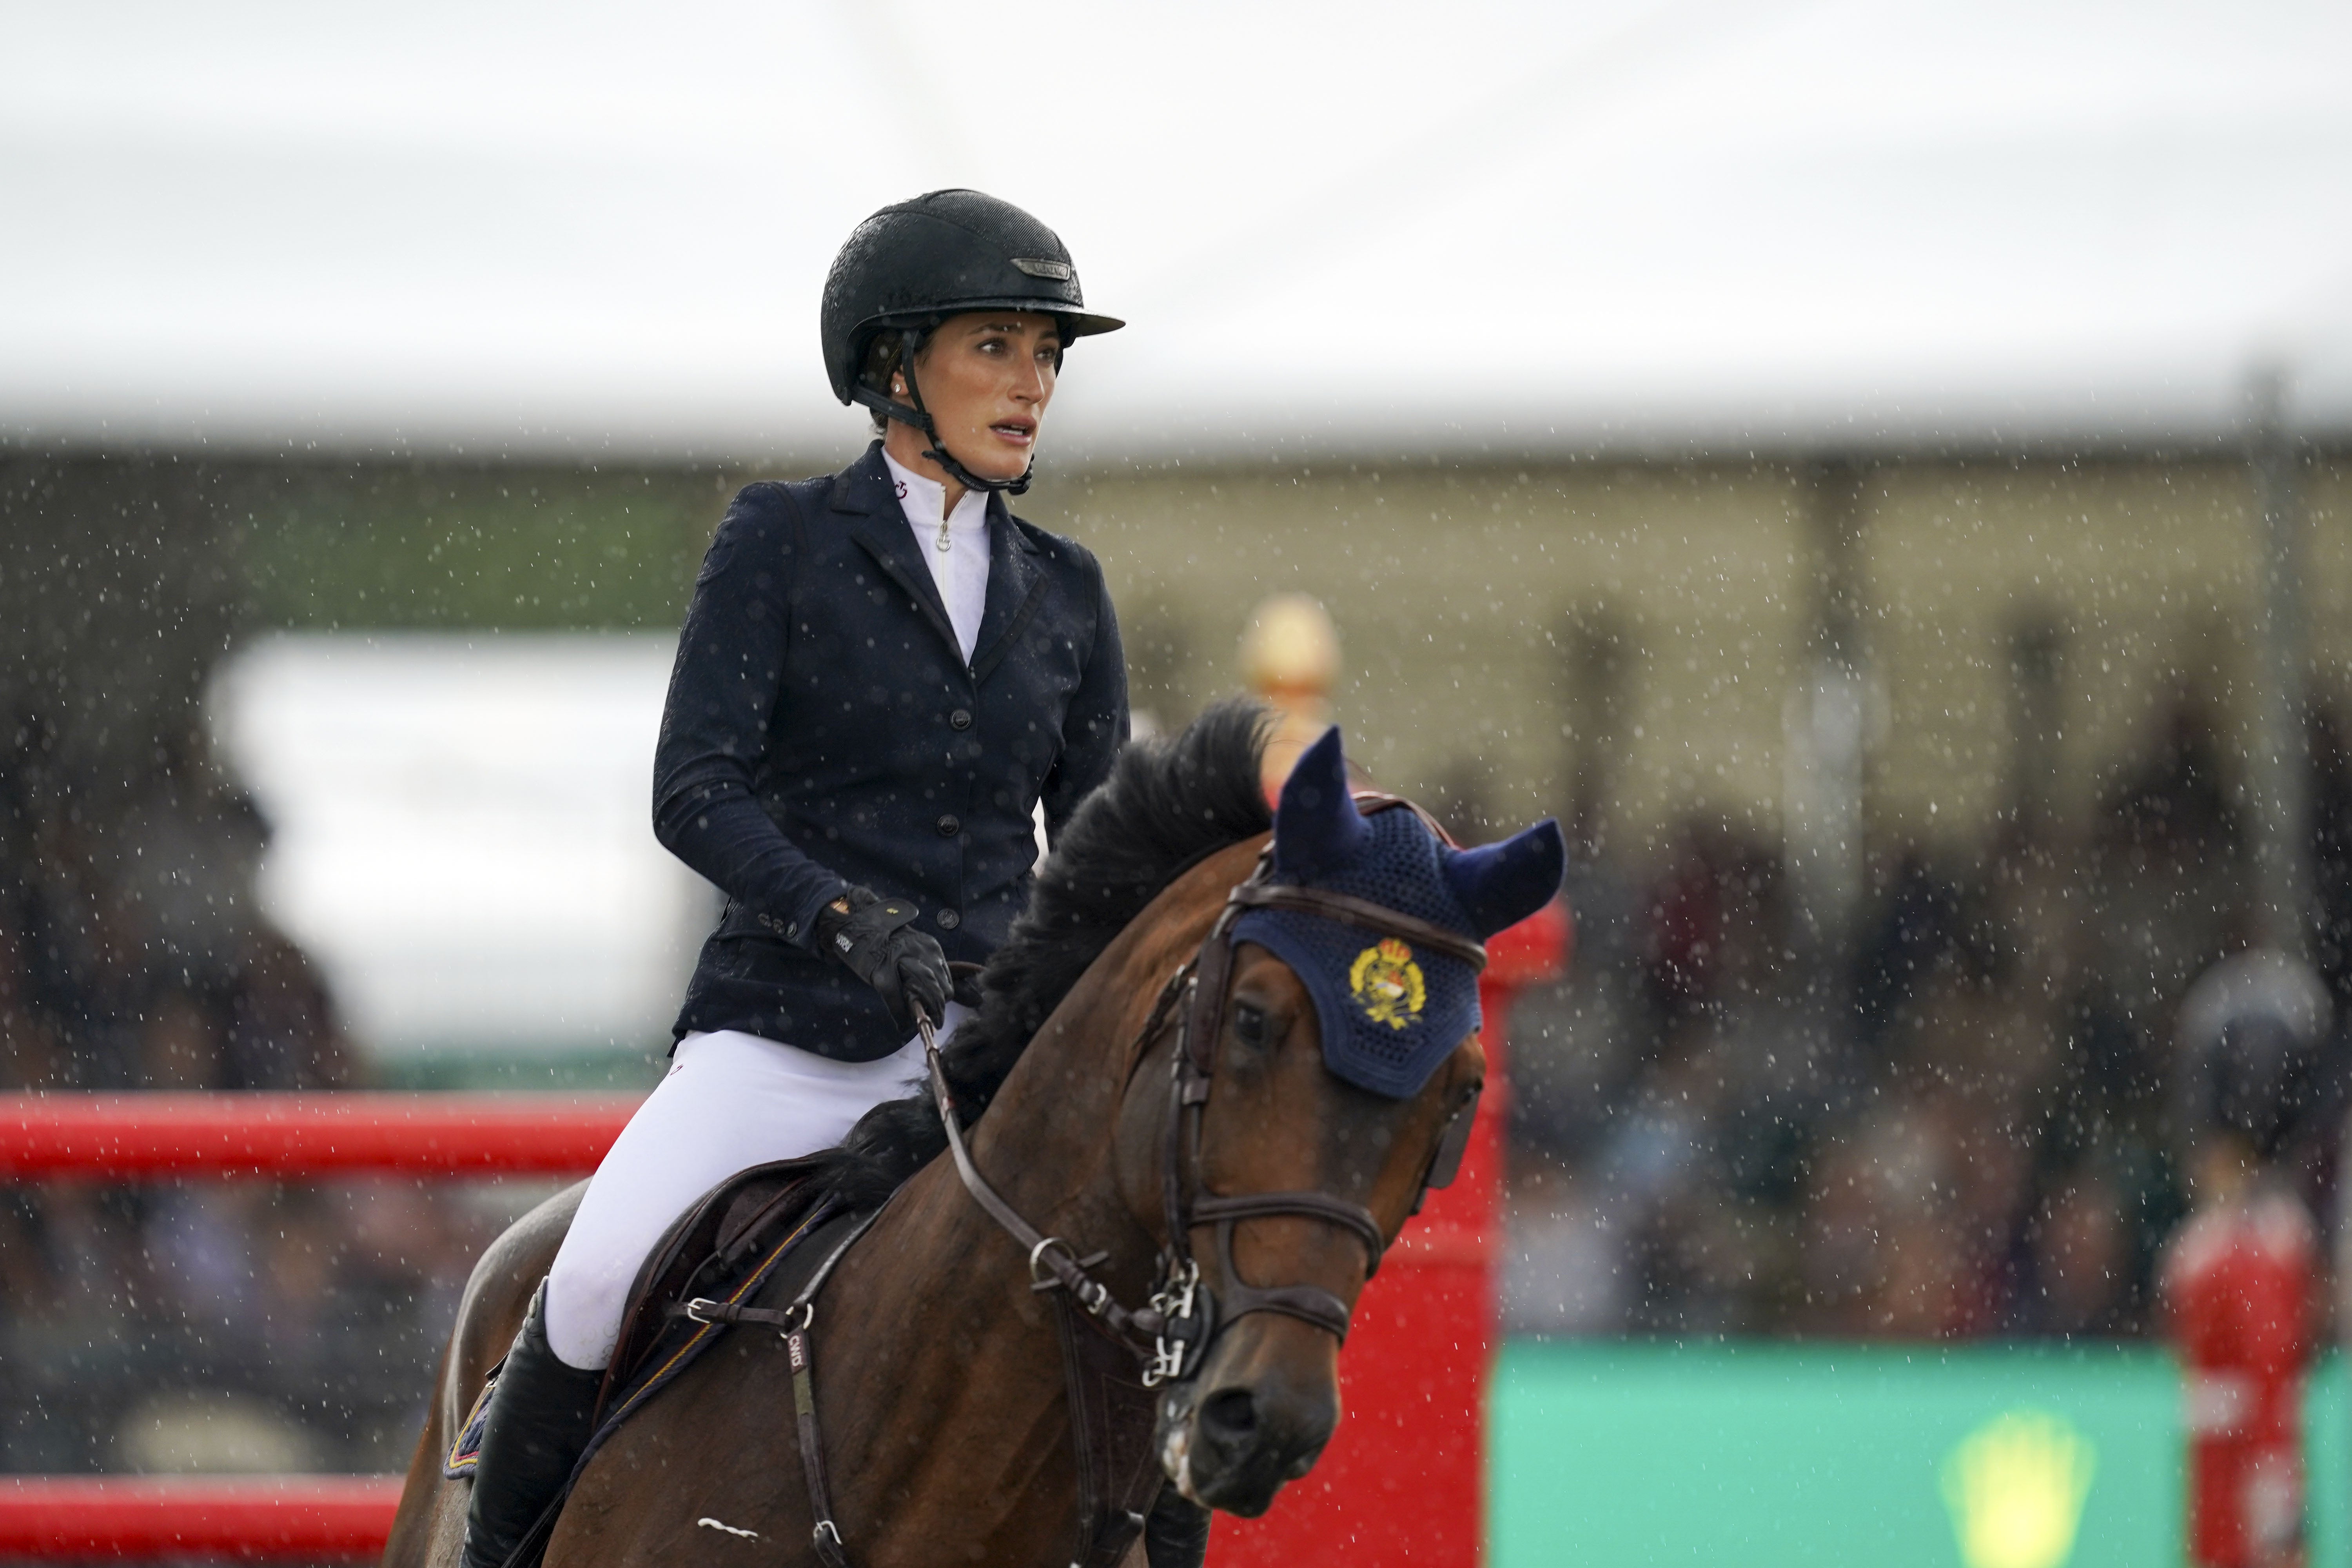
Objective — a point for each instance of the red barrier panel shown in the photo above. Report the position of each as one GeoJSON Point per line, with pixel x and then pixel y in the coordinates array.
{"type": "Point", "coordinates": [131, 1135]}
{"type": "Point", "coordinates": [172, 1516]}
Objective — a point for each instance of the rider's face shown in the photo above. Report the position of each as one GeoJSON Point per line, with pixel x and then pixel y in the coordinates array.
{"type": "Point", "coordinates": [986, 377]}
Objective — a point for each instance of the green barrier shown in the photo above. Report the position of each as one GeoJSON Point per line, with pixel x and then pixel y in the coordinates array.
{"type": "Point", "coordinates": [1759, 1454]}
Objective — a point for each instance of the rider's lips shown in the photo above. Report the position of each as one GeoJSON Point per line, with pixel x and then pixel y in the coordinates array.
{"type": "Point", "coordinates": [1015, 432]}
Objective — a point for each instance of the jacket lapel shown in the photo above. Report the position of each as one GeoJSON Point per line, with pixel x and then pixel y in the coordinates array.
{"type": "Point", "coordinates": [1014, 587]}
{"type": "Point", "coordinates": [878, 523]}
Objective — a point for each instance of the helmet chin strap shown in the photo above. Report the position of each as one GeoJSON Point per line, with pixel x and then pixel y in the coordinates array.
{"type": "Point", "coordinates": [920, 418]}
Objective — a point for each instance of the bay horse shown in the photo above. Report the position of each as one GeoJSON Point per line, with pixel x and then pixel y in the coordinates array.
{"type": "Point", "coordinates": [939, 1371]}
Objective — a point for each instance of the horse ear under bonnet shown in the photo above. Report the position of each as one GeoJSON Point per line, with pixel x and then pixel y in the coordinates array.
{"type": "Point", "coordinates": [1390, 1010]}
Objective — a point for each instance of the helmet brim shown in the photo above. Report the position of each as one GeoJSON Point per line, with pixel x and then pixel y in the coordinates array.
{"type": "Point", "coordinates": [1075, 323]}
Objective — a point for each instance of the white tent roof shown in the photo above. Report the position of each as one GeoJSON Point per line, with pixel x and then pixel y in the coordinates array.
{"type": "Point", "coordinates": [1377, 227]}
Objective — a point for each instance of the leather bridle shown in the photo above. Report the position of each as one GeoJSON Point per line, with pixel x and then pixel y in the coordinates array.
{"type": "Point", "coordinates": [1170, 1335]}
{"type": "Point", "coordinates": [1174, 1331]}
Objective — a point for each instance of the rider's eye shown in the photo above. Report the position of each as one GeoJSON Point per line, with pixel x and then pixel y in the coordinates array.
{"type": "Point", "coordinates": [1249, 1024]}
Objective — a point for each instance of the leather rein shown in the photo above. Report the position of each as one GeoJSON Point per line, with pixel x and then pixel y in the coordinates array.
{"type": "Point", "coordinates": [1169, 1334]}
{"type": "Point", "coordinates": [1173, 1329]}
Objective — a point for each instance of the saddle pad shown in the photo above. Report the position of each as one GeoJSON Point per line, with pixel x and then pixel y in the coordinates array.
{"type": "Point", "coordinates": [467, 1451]}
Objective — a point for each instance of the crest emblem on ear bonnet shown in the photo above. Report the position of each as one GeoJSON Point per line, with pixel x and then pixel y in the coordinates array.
{"type": "Point", "coordinates": [1390, 1013]}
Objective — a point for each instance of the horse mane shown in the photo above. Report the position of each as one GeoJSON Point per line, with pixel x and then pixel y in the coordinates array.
{"type": "Point", "coordinates": [1166, 806]}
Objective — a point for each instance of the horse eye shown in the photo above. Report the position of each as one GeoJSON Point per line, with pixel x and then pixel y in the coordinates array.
{"type": "Point", "coordinates": [1249, 1024]}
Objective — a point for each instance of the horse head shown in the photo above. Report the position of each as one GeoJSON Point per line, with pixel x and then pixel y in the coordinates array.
{"type": "Point", "coordinates": [1329, 1047]}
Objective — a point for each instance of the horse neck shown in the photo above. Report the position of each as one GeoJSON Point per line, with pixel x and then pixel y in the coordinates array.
{"type": "Point", "coordinates": [988, 1380]}
{"type": "Point", "coordinates": [1049, 1140]}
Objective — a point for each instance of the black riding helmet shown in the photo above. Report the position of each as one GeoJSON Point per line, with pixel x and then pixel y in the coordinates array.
{"type": "Point", "coordinates": [910, 266]}
{"type": "Point", "coordinates": [2254, 1032]}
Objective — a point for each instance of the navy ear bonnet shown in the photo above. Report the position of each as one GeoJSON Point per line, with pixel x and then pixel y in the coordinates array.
{"type": "Point", "coordinates": [1390, 1010]}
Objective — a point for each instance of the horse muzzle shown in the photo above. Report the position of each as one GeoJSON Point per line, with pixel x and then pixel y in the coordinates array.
{"type": "Point", "coordinates": [1256, 1417]}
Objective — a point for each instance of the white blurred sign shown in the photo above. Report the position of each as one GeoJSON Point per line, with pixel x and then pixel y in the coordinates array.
{"type": "Point", "coordinates": [463, 832]}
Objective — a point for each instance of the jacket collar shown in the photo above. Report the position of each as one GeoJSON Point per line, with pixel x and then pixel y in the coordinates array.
{"type": "Point", "coordinates": [864, 491]}
{"type": "Point", "coordinates": [1015, 587]}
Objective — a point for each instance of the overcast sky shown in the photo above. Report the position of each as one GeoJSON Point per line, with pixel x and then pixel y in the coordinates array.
{"type": "Point", "coordinates": [1408, 228]}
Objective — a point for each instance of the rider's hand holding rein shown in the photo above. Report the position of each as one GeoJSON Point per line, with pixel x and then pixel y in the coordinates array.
{"type": "Point", "coordinates": [867, 934]}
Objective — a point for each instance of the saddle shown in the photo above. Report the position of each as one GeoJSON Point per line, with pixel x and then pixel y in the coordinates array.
{"type": "Point", "coordinates": [722, 1248]}
{"type": "Point", "coordinates": [738, 1237]}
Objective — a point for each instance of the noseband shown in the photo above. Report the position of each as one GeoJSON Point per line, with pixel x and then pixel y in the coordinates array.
{"type": "Point", "coordinates": [1172, 1333]}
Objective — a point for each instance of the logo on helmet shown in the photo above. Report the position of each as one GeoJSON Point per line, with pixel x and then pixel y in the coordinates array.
{"type": "Point", "coordinates": [1387, 983]}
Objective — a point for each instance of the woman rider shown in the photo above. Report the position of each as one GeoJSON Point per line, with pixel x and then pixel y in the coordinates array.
{"type": "Point", "coordinates": [882, 674]}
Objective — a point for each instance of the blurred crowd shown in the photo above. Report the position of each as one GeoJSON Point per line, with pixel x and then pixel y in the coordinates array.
{"type": "Point", "coordinates": [129, 954]}
{"type": "Point", "coordinates": [1971, 1121]}
{"type": "Point", "coordinates": [207, 1324]}
{"type": "Point", "coordinates": [1966, 1120]}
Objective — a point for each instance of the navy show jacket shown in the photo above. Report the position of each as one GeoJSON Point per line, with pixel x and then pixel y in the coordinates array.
{"type": "Point", "coordinates": [823, 729]}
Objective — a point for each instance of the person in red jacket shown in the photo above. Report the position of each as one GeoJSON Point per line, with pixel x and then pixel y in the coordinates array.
{"type": "Point", "coordinates": [2241, 1278]}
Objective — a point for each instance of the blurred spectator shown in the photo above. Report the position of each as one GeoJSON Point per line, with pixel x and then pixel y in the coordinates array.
{"type": "Point", "coordinates": [179, 1042]}
{"type": "Point", "coordinates": [192, 842]}
{"type": "Point", "coordinates": [1562, 1275]}
{"type": "Point", "coordinates": [1918, 924]}
{"type": "Point", "coordinates": [1683, 930]}
{"type": "Point", "coordinates": [2331, 848]}
{"type": "Point", "coordinates": [2241, 1287]}
{"type": "Point", "coordinates": [1978, 1139]}
{"type": "Point", "coordinates": [130, 958]}
{"type": "Point", "coordinates": [281, 1027]}
{"type": "Point", "coordinates": [2077, 1270]}
{"type": "Point", "coordinates": [2171, 887]}
{"type": "Point", "coordinates": [30, 1058]}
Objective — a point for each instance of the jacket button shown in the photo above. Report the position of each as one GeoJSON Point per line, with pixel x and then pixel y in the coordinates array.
{"type": "Point", "coordinates": [949, 919]}
{"type": "Point", "coordinates": [948, 827]}
{"type": "Point", "coordinates": [959, 720]}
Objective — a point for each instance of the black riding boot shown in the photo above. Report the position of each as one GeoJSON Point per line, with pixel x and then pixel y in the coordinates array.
{"type": "Point", "coordinates": [1176, 1535]}
{"type": "Point", "coordinates": [540, 1418]}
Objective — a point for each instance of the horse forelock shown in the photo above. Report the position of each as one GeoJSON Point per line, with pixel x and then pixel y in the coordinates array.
{"type": "Point", "coordinates": [1168, 807]}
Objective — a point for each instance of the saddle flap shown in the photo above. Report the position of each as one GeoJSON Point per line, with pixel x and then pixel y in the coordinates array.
{"type": "Point", "coordinates": [706, 1245]}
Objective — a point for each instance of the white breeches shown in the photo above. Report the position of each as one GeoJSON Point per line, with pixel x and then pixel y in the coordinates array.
{"type": "Point", "coordinates": [730, 1101]}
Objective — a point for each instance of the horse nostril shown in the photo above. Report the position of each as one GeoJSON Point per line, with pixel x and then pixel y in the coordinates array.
{"type": "Point", "coordinates": [1229, 1416]}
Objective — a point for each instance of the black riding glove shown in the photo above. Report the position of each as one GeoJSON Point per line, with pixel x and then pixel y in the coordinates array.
{"type": "Point", "coordinates": [867, 934]}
